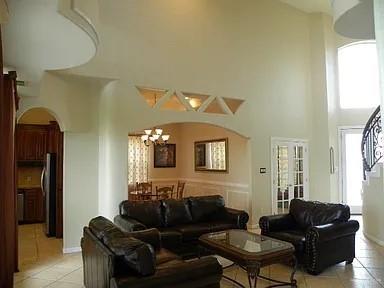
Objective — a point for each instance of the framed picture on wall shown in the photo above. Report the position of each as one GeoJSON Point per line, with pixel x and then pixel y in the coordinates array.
{"type": "Point", "coordinates": [165, 156]}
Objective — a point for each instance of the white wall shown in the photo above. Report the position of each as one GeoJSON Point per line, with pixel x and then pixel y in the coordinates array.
{"type": "Point", "coordinates": [74, 102]}
{"type": "Point", "coordinates": [228, 54]}
{"type": "Point", "coordinates": [373, 195]}
{"type": "Point", "coordinates": [260, 51]}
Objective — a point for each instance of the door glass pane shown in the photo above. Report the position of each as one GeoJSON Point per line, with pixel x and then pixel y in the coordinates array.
{"type": "Point", "coordinates": [289, 174]}
{"type": "Point", "coordinates": [298, 181]}
{"type": "Point", "coordinates": [353, 169]}
{"type": "Point", "coordinates": [282, 178]}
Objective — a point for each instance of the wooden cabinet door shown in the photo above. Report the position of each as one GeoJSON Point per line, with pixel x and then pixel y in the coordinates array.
{"type": "Point", "coordinates": [20, 140]}
{"type": "Point", "coordinates": [33, 205]}
{"type": "Point", "coordinates": [31, 142]}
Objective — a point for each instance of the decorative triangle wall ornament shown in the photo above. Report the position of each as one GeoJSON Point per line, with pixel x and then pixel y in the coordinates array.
{"type": "Point", "coordinates": [215, 108]}
{"type": "Point", "coordinates": [233, 104]}
{"type": "Point", "coordinates": [166, 99]}
{"type": "Point", "coordinates": [151, 95]}
{"type": "Point", "coordinates": [195, 100]}
{"type": "Point", "coordinates": [174, 104]}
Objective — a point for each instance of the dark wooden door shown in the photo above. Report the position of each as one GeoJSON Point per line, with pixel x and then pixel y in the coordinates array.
{"type": "Point", "coordinates": [8, 220]}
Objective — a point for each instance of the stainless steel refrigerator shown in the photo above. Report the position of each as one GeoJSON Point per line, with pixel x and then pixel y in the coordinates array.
{"type": "Point", "coordinates": [48, 183]}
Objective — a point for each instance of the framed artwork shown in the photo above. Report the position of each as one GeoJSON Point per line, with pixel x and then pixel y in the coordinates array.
{"type": "Point", "coordinates": [165, 156]}
{"type": "Point", "coordinates": [200, 152]}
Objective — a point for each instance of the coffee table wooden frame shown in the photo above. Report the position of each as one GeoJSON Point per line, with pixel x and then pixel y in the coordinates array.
{"type": "Point", "coordinates": [251, 262]}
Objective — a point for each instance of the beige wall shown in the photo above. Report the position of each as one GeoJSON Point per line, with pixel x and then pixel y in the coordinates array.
{"type": "Point", "coordinates": [234, 185]}
{"type": "Point", "coordinates": [29, 177]}
{"type": "Point", "coordinates": [156, 174]}
{"type": "Point", "coordinates": [38, 116]}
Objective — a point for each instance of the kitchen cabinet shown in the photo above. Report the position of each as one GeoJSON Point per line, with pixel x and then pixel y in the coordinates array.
{"type": "Point", "coordinates": [33, 205]}
{"type": "Point", "coordinates": [31, 142]}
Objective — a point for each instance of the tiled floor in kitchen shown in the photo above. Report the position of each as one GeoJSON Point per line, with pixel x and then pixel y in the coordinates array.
{"type": "Point", "coordinates": [43, 265]}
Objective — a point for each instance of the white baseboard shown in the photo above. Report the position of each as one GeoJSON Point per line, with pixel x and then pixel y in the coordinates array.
{"type": "Point", "coordinates": [374, 239]}
{"type": "Point", "coordinates": [71, 250]}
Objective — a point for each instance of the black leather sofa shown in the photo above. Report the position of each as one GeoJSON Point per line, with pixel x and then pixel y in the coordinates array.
{"type": "Point", "coordinates": [181, 222]}
{"type": "Point", "coordinates": [322, 233]}
{"type": "Point", "coordinates": [116, 259]}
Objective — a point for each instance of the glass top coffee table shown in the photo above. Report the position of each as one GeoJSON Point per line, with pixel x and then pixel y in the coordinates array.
{"type": "Point", "coordinates": [251, 251]}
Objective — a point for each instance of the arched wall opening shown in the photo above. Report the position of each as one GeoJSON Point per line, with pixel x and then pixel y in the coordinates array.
{"type": "Point", "coordinates": [39, 116]}
{"type": "Point", "coordinates": [234, 184]}
{"type": "Point", "coordinates": [39, 155]}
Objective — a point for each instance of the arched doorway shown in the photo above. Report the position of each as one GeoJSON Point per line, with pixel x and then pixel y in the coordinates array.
{"type": "Point", "coordinates": [39, 171]}
{"type": "Point", "coordinates": [207, 158]}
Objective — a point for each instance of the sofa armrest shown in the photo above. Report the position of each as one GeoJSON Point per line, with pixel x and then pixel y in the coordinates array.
{"type": "Point", "coordinates": [150, 236]}
{"type": "Point", "coordinates": [332, 231]}
{"type": "Point", "coordinates": [276, 222]}
{"type": "Point", "coordinates": [128, 224]}
{"type": "Point", "coordinates": [239, 217]}
{"type": "Point", "coordinates": [204, 272]}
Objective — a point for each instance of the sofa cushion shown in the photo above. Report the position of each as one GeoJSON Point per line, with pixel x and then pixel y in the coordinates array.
{"type": "Point", "coordinates": [192, 232]}
{"type": "Point", "coordinates": [147, 212]}
{"type": "Point", "coordinates": [170, 238]}
{"type": "Point", "coordinates": [207, 208]}
{"type": "Point", "coordinates": [176, 212]}
{"type": "Point", "coordinates": [296, 237]}
{"type": "Point", "coordinates": [164, 255]}
{"type": "Point", "coordinates": [139, 256]}
{"type": "Point", "coordinates": [312, 213]}
{"type": "Point", "coordinates": [102, 228]}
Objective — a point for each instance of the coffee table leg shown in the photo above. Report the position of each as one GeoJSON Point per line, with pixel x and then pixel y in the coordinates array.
{"type": "Point", "coordinates": [293, 280]}
{"type": "Point", "coordinates": [253, 272]}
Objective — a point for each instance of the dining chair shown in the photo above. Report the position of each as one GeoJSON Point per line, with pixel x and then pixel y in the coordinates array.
{"type": "Point", "coordinates": [180, 189]}
{"type": "Point", "coordinates": [132, 192]}
{"type": "Point", "coordinates": [144, 190]}
{"type": "Point", "coordinates": [164, 192]}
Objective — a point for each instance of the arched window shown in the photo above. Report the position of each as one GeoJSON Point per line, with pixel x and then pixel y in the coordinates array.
{"type": "Point", "coordinates": [358, 76]}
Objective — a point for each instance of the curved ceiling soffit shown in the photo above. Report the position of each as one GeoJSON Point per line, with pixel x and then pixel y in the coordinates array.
{"type": "Point", "coordinates": [354, 18]}
{"type": "Point", "coordinates": [44, 35]}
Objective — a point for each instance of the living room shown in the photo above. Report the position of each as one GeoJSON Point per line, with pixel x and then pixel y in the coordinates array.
{"type": "Point", "coordinates": [278, 60]}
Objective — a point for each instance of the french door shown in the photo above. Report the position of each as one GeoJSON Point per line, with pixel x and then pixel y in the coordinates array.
{"type": "Point", "coordinates": [289, 172]}
{"type": "Point", "coordinates": [351, 167]}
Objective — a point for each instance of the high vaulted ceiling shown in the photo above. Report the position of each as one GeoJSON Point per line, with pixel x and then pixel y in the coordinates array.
{"type": "Point", "coordinates": [311, 6]}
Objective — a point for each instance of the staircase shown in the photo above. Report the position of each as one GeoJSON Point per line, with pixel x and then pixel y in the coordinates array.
{"type": "Point", "coordinates": [373, 184]}
{"type": "Point", "coordinates": [372, 142]}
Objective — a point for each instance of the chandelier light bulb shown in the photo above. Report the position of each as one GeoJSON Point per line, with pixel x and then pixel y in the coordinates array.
{"type": "Point", "coordinates": [144, 137]}
{"type": "Point", "coordinates": [165, 137]}
{"type": "Point", "coordinates": [159, 131]}
{"type": "Point", "coordinates": [148, 131]}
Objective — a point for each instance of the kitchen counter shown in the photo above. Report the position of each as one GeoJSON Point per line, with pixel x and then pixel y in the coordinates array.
{"type": "Point", "coordinates": [29, 187]}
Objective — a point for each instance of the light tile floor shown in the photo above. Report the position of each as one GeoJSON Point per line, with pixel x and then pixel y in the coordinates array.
{"type": "Point", "coordinates": [44, 265]}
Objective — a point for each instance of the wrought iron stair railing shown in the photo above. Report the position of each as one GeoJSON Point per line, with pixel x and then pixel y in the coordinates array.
{"type": "Point", "coordinates": [372, 142]}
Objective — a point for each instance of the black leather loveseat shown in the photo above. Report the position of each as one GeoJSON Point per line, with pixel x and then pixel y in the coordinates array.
{"type": "Point", "coordinates": [181, 222]}
{"type": "Point", "coordinates": [322, 233]}
{"type": "Point", "coordinates": [116, 259]}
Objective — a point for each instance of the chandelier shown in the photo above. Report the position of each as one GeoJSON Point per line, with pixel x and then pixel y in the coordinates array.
{"type": "Point", "coordinates": [157, 138]}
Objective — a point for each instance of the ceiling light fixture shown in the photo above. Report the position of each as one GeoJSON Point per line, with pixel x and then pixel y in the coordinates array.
{"type": "Point", "coordinates": [157, 138]}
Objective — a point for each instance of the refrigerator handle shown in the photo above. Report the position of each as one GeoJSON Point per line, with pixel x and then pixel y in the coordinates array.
{"type": "Point", "coordinates": [42, 181]}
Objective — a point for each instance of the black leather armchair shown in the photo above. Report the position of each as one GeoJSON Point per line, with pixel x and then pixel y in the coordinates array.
{"type": "Point", "coordinates": [322, 233]}
{"type": "Point", "coordinates": [113, 258]}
